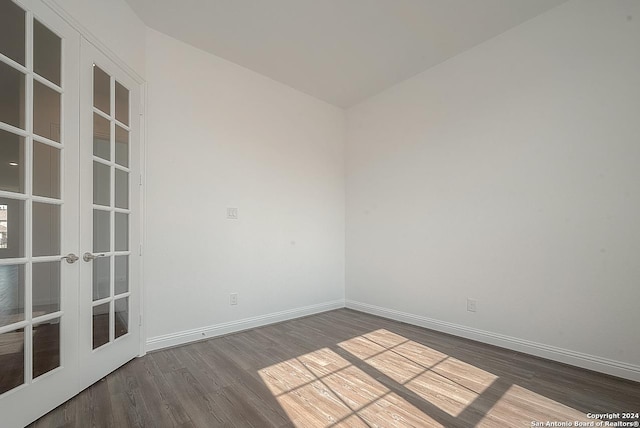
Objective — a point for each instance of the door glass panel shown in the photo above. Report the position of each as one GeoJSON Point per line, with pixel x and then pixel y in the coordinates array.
{"type": "Point", "coordinates": [122, 232]}
{"type": "Point", "coordinates": [12, 31]}
{"type": "Point", "coordinates": [46, 347]}
{"type": "Point", "coordinates": [46, 112]}
{"type": "Point", "coordinates": [101, 137]}
{"type": "Point", "coordinates": [11, 228]}
{"type": "Point", "coordinates": [101, 184]}
{"type": "Point", "coordinates": [101, 231]}
{"type": "Point", "coordinates": [122, 146]}
{"type": "Point", "coordinates": [46, 170]}
{"type": "Point", "coordinates": [11, 162]}
{"type": "Point", "coordinates": [122, 104]}
{"type": "Point", "coordinates": [101, 277]}
{"type": "Point", "coordinates": [46, 53]}
{"type": "Point", "coordinates": [46, 229]}
{"type": "Point", "coordinates": [46, 288]}
{"type": "Point", "coordinates": [12, 360]}
{"type": "Point", "coordinates": [122, 189]}
{"type": "Point", "coordinates": [11, 294]}
{"type": "Point", "coordinates": [100, 325]}
{"type": "Point", "coordinates": [122, 274]}
{"type": "Point", "coordinates": [121, 318]}
{"type": "Point", "coordinates": [101, 90]}
{"type": "Point", "coordinates": [12, 101]}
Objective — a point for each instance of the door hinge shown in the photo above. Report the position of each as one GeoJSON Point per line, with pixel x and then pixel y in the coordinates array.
{"type": "Point", "coordinates": [140, 321]}
{"type": "Point", "coordinates": [140, 250]}
{"type": "Point", "coordinates": [141, 179]}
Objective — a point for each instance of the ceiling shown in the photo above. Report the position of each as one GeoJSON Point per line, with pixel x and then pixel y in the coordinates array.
{"type": "Point", "coordinates": [340, 51]}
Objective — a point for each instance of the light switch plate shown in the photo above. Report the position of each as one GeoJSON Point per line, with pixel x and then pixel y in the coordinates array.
{"type": "Point", "coordinates": [232, 213]}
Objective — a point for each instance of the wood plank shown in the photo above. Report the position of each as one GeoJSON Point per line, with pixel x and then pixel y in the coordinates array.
{"type": "Point", "coordinates": [341, 368]}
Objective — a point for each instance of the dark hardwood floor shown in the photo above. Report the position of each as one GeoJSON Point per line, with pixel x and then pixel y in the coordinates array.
{"type": "Point", "coordinates": [342, 368]}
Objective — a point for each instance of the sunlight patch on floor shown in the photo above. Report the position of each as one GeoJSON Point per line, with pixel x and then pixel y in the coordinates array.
{"type": "Point", "coordinates": [362, 347]}
{"type": "Point", "coordinates": [442, 392]}
{"type": "Point", "coordinates": [520, 407]}
{"type": "Point", "coordinates": [323, 362]}
{"type": "Point", "coordinates": [465, 375]}
{"type": "Point", "coordinates": [403, 383]}
{"type": "Point", "coordinates": [322, 389]}
{"type": "Point", "coordinates": [443, 381]}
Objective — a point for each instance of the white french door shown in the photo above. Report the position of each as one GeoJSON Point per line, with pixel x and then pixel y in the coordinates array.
{"type": "Point", "coordinates": [69, 163]}
{"type": "Point", "coordinates": [109, 216]}
{"type": "Point", "coordinates": [39, 187]}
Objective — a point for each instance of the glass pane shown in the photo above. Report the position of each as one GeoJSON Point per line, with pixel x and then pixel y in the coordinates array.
{"type": "Point", "coordinates": [101, 277]}
{"type": "Point", "coordinates": [101, 184]}
{"type": "Point", "coordinates": [122, 146]}
{"type": "Point", "coordinates": [11, 162]}
{"type": "Point", "coordinates": [46, 347]}
{"type": "Point", "coordinates": [46, 170]}
{"type": "Point", "coordinates": [122, 189]}
{"type": "Point", "coordinates": [12, 101]}
{"type": "Point", "coordinates": [121, 319]}
{"type": "Point", "coordinates": [122, 104]}
{"type": "Point", "coordinates": [46, 288]}
{"type": "Point", "coordinates": [100, 325]}
{"type": "Point", "coordinates": [122, 232]}
{"type": "Point", "coordinates": [11, 294]}
{"type": "Point", "coordinates": [12, 360]}
{"type": "Point", "coordinates": [12, 34]}
{"type": "Point", "coordinates": [101, 231]}
{"type": "Point", "coordinates": [122, 274]}
{"type": "Point", "coordinates": [11, 228]}
{"type": "Point", "coordinates": [101, 90]}
{"type": "Point", "coordinates": [101, 137]}
{"type": "Point", "coordinates": [46, 53]}
{"type": "Point", "coordinates": [46, 229]}
{"type": "Point", "coordinates": [46, 112]}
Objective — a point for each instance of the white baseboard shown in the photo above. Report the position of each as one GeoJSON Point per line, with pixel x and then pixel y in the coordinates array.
{"type": "Point", "coordinates": [579, 359]}
{"type": "Point", "coordinates": [182, 337]}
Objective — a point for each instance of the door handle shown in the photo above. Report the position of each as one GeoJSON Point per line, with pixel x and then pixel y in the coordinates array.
{"type": "Point", "coordinates": [70, 258]}
{"type": "Point", "coordinates": [88, 257]}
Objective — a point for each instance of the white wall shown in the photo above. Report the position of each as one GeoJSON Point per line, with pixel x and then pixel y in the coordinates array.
{"type": "Point", "coordinates": [222, 136]}
{"type": "Point", "coordinates": [509, 174]}
{"type": "Point", "coordinates": [115, 24]}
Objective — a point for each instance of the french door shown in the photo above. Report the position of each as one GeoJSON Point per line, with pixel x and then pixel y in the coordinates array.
{"type": "Point", "coordinates": [109, 216]}
{"type": "Point", "coordinates": [69, 299]}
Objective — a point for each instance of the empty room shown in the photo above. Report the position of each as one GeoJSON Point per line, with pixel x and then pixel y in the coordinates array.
{"type": "Point", "coordinates": [319, 213]}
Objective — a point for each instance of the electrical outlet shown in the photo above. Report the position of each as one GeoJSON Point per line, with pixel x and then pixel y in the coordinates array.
{"type": "Point", "coordinates": [471, 305]}
{"type": "Point", "coordinates": [233, 299]}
